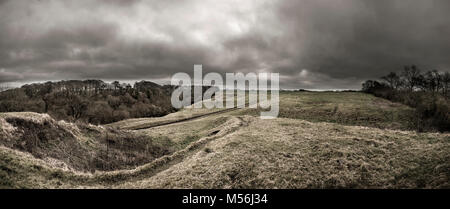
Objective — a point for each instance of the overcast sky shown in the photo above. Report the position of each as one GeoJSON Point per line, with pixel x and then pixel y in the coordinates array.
{"type": "Point", "coordinates": [313, 44]}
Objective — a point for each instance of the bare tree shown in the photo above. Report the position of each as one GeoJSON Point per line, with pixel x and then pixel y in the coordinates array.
{"type": "Point", "coordinates": [446, 83]}
{"type": "Point", "coordinates": [78, 106]}
{"type": "Point", "coordinates": [437, 80]}
{"type": "Point", "coordinates": [393, 80]}
{"type": "Point", "coordinates": [116, 84]}
{"type": "Point", "coordinates": [412, 77]}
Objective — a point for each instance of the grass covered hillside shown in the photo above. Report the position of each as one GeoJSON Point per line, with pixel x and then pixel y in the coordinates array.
{"type": "Point", "coordinates": [320, 140]}
{"type": "Point", "coordinates": [348, 108]}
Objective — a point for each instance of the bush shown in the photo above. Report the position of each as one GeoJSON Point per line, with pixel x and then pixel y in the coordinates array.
{"type": "Point", "coordinates": [435, 111]}
{"type": "Point", "coordinates": [432, 108]}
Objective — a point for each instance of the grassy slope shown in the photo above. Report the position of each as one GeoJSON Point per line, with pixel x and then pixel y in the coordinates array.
{"type": "Point", "coordinates": [78, 146]}
{"type": "Point", "coordinates": [348, 108]}
{"type": "Point", "coordinates": [287, 153]}
{"type": "Point", "coordinates": [21, 170]}
{"type": "Point", "coordinates": [248, 152]}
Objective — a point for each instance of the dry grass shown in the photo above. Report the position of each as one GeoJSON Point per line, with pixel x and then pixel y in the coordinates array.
{"type": "Point", "coordinates": [348, 108]}
{"type": "Point", "coordinates": [286, 153]}
{"type": "Point", "coordinates": [238, 150]}
{"type": "Point", "coordinates": [138, 122]}
{"type": "Point", "coordinates": [185, 113]}
{"type": "Point", "coordinates": [80, 147]}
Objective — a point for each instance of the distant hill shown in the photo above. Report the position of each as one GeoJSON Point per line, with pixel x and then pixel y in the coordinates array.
{"type": "Point", "coordinates": [92, 101]}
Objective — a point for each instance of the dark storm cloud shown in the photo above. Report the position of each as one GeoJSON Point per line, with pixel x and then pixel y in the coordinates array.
{"type": "Point", "coordinates": [316, 44]}
{"type": "Point", "coordinates": [365, 39]}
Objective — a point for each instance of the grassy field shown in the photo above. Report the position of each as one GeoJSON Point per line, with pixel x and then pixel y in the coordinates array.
{"type": "Point", "coordinates": [320, 140]}
{"type": "Point", "coordinates": [348, 108]}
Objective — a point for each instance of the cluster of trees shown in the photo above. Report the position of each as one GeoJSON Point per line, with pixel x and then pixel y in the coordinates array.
{"type": "Point", "coordinates": [412, 79]}
{"type": "Point", "coordinates": [92, 101]}
{"type": "Point", "coordinates": [428, 92]}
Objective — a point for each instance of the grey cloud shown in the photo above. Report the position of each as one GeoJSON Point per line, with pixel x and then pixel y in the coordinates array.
{"type": "Point", "coordinates": [9, 76]}
{"type": "Point", "coordinates": [338, 43]}
{"type": "Point", "coordinates": [367, 38]}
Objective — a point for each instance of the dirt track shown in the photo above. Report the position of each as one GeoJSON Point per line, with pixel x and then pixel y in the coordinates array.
{"type": "Point", "coordinates": [152, 125]}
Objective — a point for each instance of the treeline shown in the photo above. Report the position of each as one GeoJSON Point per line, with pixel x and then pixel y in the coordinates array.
{"type": "Point", "coordinates": [92, 101]}
{"type": "Point", "coordinates": [428, 92]}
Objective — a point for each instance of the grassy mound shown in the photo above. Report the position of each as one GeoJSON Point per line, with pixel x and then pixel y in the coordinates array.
{"type": "Point", "coordinates": [77, 146]}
